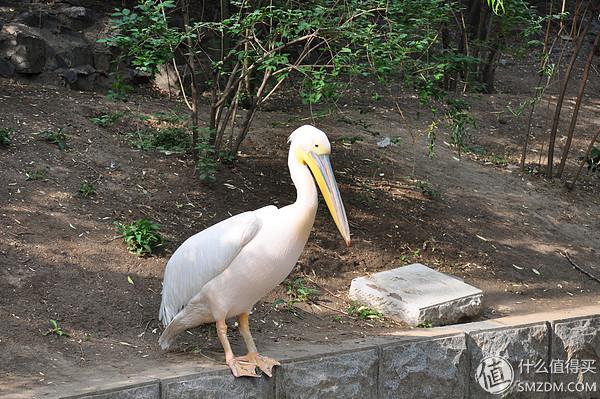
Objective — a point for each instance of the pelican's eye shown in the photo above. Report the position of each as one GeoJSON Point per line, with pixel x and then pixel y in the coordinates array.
{"type": "Point", "coordinates": [316, 146]}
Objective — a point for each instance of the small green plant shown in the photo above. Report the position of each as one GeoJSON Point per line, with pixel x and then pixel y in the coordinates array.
{"type": "Point", "coordinates": [499, 160]}
{"type": "Point", "coordinates": [593, 161]}
{"type": "Point", "coordinates": [119, 89]}
{"type": "Point", "coordinates": [171, 117]}
{"type": "Point", "coordinates": [376, 96]}
{"type": "Point", "coordinates": [57, 137]}
{"type": "Point", "coordinates": [476, 150]}
{"type": "Point", "coordinates": [6, 136]}
{"type": "Point", "coordinates": [55, 329]}
{"type": "Point", "coordinates": [172, 139]}
{"type": "Point", "coordinates": [350, 139]}
{"type": "Point", "coordinates": [106, 120]}
{"type": "Point", "coordinates": [460, 120]}
{"type": "Point", "coordinates": [86, 190]}
{"type": "Point", "coordinates": [298, 291]}
{"type": "Point", "coordinates": [141, 139]}
{"type": "Point", "coordinates": [206, 167]}
{"type": "Point", "coordinates": [425, 324]}
{"type": "Point", "coordinates": [426, 189]}
{"type": "Point", "coordinates": [356, 309]}
{"type": "Point", "coordinates": [141, 236]}
{"type": "Point", "coordinates": [36, 174]}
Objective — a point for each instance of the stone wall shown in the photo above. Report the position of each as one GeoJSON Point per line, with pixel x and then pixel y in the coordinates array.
{"type": "Point", "coordinates": [425, 363]}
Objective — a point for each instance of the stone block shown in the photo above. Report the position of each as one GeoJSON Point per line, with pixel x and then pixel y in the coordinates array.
{"type": "Point", "coordinates": [149, 390]}
{"type": "Point", "coordinates": [431, 368]}
{"type": "Point", "coordinates": [525, 348]}
{"type": "Point", "coordinates": [218, 385]}
{"type": "Point", "coordinates": [340, 375]}
{"type": "Point", "coordinates": [416, 294]}
{"type": "Point", "coordinates": [576, 353]}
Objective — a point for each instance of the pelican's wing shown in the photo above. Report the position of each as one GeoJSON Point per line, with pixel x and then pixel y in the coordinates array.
{"type": "Point", "coordinates": [204, 256]}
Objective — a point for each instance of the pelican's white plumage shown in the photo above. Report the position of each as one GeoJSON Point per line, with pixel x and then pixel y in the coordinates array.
{"type": "Point", "coordinates": [224, 270]}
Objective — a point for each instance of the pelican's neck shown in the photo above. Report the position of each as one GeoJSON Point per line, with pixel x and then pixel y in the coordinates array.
{"type": "Point", "coordinates": [306, 190]}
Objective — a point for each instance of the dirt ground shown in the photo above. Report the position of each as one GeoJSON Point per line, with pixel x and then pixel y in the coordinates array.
{"type": "Point", "coordinates": [477, 217]}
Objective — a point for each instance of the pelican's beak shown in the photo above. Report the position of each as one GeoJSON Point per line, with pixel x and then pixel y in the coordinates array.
{"type": "Point", "coordinates": [321, 169]}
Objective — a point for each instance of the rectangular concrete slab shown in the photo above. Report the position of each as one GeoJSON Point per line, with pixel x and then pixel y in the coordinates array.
{"type": "Point", "coordinates": [436, 368]}
{"type": "Point", "coordinates": [218, 385]}
{"type": "Point", "coordinates": [416, 294]}
{"type": "Point", "coordinates": [339, 375]}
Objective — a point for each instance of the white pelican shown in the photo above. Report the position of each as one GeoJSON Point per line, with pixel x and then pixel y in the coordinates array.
{"type": "Point", "coordinates": [224, 270]}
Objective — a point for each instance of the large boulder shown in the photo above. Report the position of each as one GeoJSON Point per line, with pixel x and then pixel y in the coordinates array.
{"type": "Point", "coordinates": [23, 47]}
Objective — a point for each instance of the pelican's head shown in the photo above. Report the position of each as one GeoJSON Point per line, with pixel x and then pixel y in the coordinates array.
{"type": "Point", "coordinates": [311, 147]}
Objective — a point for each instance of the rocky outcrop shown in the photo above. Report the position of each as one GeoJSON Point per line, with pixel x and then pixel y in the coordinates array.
{"type": "Point", "coordinates": [55, 42]}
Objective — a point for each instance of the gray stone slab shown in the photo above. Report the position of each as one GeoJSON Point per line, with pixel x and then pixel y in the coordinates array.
{"type": "Point", "coordinates": [529, 344]}
{"type": "Point", "coordinates": [417, 294]}
{"type": "Point", "coordinates": [431, 368]}
{"type": "Point", "coordinates": [340, 375]}
{"type": "Point", "coordinates": [150, 390]}
{"type": "Point", "coordinates": [576, 357]}
{"type": "Point", "coordinates": [218, 385]}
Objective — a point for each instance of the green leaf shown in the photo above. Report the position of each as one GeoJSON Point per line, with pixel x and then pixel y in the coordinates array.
{"type": "Point", "coordinates": [130, 280]}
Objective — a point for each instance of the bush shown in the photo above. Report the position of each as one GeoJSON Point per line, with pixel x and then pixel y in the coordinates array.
{"type": "Point", "coordinates": [141, 236]}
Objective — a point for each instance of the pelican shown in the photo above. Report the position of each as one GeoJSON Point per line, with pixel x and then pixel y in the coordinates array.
{"type": "Point", "coordinates": [222, 271]}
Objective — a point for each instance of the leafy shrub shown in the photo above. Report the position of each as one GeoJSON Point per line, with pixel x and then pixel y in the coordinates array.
{"type": "Point", "coordinates": [593, 161]}
{"type": "Point", "coordinates": [141, 236]}
{"type": "Point", "coordinates": [86, 190]}
{"type": "Point", "coordinates": [6, 136]}
{"type": "Point", "coordinates": [174, 139]}
{"type": "Point", "coordinates": [106, 120]}
{"type": "Point", "coordinates": [206, 167]}
{"type": "Point", "coordinates": [57, 137]}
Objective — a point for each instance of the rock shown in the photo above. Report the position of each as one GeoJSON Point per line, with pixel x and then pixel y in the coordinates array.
{"type": "Point", "coordinates": [416, 294]}
{"type": "Point", "coordinates": [384, 142]}
{"type": "Point", "coordinates": [576, 351]}
{"type": "Point", "coordinates": [102, 60]}
{"type": "Point", "coordinates": [166, 80]}
{"type": "Point", "coordinates": [515, 346]}
{"type": "Point", "coordinates": [7, 69]}
{"type": "Point", "coordinates": [80, 78]}
{"type": "Point", "coordinates": [340, 375]}
{"type": "Point", "coordinates": [70, 50]}
{"type": "Point", "coordinates": [25, 48]}
{"type": "Point", "coordinates": [436, 368]}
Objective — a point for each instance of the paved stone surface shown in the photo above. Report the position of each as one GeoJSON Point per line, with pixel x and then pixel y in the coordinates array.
{"type": "Point", "coordinates": [576, 347]}
{"type": "Point", "coordinates": [416, 294]}
{"type": "Point", "coordinates": [149, 390]}
{"type": "Point", "coordinates": [436, 368]}
{"type": "Point", "coordinates": [218, 385]}
{"type": "Point", "coordinates": [346, 375]}
{"type": "Point", "coordinates": [522, 344]}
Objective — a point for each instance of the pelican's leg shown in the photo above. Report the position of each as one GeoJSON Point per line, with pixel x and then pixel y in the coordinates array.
{"type": "Point", "coordinates": [266, 364]}
{"type": "Point", "coordinates": [239, 366]}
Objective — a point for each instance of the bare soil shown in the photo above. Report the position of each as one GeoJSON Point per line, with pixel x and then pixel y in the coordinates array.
{"type": "Point", "coordinates": [484, 221]}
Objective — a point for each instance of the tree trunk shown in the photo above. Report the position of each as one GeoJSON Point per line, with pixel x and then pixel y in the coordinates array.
{"type": "Point", "coordinates": [559, 102]}
{"type": "Point", "coordinates": [582, 83]}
